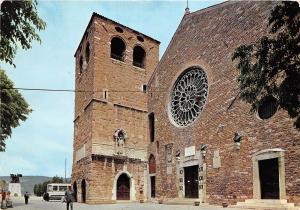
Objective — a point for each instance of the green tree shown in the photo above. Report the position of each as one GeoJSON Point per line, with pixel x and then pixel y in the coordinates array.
{"type": "Point", "coordinates": [19, 22]}
{"type": "Point", "coordinates": [3, 184]}
{"type": "Point", "coordinates": [35, 189]}
{"type": "Point", "coordinates": [13, 108]}
{"type": "Point", "coordinates": [40, 190]}
{"type": "Point", "coordinates": [57, 179]}
{"type": "Point", "coordinates": [270, 67]}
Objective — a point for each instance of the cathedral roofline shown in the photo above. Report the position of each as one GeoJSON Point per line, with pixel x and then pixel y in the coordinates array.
{"type": "Point", "coordinates": [185, 17]}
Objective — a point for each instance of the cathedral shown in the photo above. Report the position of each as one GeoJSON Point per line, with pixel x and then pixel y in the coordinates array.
{"type": "Point", "coordinates": [178, 131]}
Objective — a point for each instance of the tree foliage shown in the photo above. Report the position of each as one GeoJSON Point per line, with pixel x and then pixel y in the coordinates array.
{"type": "Point", "coordinates": [270, 67]}
{"type": "Point", "coordinates": [13, 108]}
{"type": "Point", "coordinates": [3, 184]}
{"type": "Point", "coordinates": [19, 22]}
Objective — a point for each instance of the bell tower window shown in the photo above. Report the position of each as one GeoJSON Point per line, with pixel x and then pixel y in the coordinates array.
{"type": "Point", "coordinates": [139, 55]}
{"type": "Point", "coordinates": [117, 49]}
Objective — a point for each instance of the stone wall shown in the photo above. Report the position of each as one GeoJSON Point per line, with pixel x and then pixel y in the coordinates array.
{"type": "Point", "coordinates": [207, 39]}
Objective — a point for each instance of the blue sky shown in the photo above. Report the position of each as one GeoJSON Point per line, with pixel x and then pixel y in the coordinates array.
{"type": "Point", "coordinates": [40, 145]}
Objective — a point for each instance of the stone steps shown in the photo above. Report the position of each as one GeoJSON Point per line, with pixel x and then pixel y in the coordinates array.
{"type": "Point", "coordinates": [266, 204]}
{"type": "Point", "coordinates": [182, 201]}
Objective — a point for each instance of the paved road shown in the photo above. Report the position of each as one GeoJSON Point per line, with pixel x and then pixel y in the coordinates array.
{"type": "Point", "coordinates": [38, 204]}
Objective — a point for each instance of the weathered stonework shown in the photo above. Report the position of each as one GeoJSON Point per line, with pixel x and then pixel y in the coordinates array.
{"type": "Point", "coordinates": [109, 97]}
{"type": "Point", "coordinates": [206, 39]}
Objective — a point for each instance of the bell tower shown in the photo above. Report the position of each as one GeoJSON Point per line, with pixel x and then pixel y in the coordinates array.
{"type": "Point", "coordinates": [113, 66]}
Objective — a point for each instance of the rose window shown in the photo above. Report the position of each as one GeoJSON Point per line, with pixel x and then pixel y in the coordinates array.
{"type": "Point", "coordinates": [189, 96]}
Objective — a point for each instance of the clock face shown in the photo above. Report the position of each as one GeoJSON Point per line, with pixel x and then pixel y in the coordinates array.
{"type": "Point", "coordinates": [188, 96]}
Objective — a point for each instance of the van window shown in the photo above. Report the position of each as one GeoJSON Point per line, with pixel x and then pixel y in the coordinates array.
{"type": "Point", "coordinates": [62, 188]}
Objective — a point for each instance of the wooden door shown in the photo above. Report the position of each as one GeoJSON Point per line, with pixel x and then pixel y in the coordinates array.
{"type": "Point", "coordinates": [191, 182]}
{"type": "Point", "coordinates": [123, 188]}
{"type": "Point", "coordinates": [269, 178]}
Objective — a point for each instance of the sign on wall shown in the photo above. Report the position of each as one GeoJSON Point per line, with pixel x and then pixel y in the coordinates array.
{"type": "Point", "coordinates": [189, 151]}
{"type": "Point", "coordinates": [169, 153]}
{"type": "Point", "coordinates": [216, 159]}
{"type": "Point", "coordinates": [169, 157]}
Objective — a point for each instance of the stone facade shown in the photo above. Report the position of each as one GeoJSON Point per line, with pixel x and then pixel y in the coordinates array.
{"type": "Point", "coordinates": [227, 171]}
{"type": "Point", "coordinates": [110, 126]}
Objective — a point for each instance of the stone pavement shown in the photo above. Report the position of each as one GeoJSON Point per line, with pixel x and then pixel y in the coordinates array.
{"type": "Point", "coordinates": [37, 204]}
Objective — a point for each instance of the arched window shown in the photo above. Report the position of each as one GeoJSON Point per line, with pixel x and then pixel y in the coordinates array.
{"type": "Point", "coordinates": [117, 49]}
{"type": "Point", "coordinates": [139, 55]}
{"type": "Point", "coordinates": [87, 52]}
{"type": "Point", "coordinates": [80, 65]}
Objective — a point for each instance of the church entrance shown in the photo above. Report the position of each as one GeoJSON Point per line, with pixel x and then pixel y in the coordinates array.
{"type": "Point", "coordinates": [191, 182]}
{"type": "Point", "coordinates": [123, 187]}
{"type": "Point", "coordinates": [152, 180]}
{"type": "Point", "coordinates": [269, 178]}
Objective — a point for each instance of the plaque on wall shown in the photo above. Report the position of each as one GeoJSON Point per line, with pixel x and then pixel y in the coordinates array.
{"type": "Point", "coordinates": [216, 159]}
{"type": "Point", "coordinates": [189, 151]}
{"type": "Point", "coordinates": [169, 153]}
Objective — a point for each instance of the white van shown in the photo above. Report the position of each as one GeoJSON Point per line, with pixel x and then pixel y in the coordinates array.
{"type": "Point", "coordinates": [57, 191]}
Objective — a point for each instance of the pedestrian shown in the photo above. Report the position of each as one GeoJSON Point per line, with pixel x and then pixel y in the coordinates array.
{"type": "Point", "coordinates": [69, 197]}
{"type": "Point", "coordinates": [3, 199]}
{"type": "Point", "coordinates": [26, 196]}
{"type": "Point", "coordinates": [8, 201]}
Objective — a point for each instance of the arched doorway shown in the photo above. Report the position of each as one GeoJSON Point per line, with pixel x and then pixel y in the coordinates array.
{"type": "Point", "coordinates": [83, 191]}
{"type": "Point", "coordinates": [75, 191]}
{"type": "Point", "coordinates": [123, 187]}
{"type": "Point", "coordinates": [152, 170]}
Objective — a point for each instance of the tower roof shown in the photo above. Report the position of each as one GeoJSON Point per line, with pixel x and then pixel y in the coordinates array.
{"type": "Point", "coordinates": [117, 23]}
